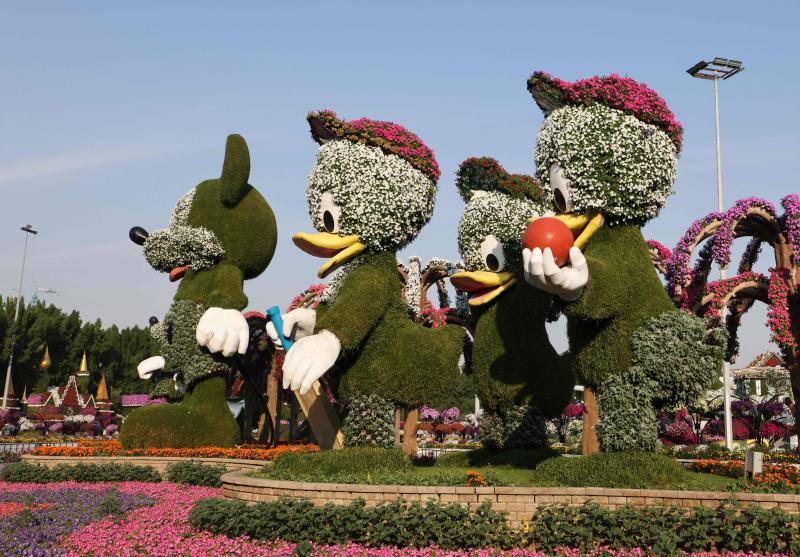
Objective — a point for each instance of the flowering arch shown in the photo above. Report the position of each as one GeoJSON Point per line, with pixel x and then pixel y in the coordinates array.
{"type": "Point", "coordinates": [712, 238]}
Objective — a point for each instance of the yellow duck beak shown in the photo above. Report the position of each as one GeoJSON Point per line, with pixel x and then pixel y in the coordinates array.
{"type": "Point", "coordinates": [482, 286]}
{"type": "Point", "coordinates": [339, 249]}
{"type": "Point", "coordinates": [582, 226]}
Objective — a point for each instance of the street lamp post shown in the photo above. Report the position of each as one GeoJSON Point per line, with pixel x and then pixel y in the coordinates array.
{"type": "Point", "coordinates": [28, 230]}
{"type": "Point", "coordinates": [720, 68]}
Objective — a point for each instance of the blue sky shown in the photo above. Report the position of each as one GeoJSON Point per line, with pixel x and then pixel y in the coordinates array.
{"type": "Point", "coordinates": [109, 112]}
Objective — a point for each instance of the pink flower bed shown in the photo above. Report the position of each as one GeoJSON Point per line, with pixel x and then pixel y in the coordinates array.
{"type": "Point", "coordinates": [163, 530]}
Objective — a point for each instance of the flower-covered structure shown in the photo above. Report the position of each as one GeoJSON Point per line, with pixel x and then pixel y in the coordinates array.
{"type": "Point", "coordinates": [710, 238]}
{"type": "Point", "coordinates": [606, 155]}
{"type": "Point", "coordinates": [370, 192]}
{"type": "Point", "coordinates": [221, 233]}
{"type": "Point", "coordinates": [513, 362]}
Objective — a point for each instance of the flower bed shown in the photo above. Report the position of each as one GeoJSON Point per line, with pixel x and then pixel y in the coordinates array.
{"type": "Point", "coordinates": [776, 478]}
{"type": "Point", "coordinates": [134, 519]}
{"type": "Point", "coordinates": [113, 448]}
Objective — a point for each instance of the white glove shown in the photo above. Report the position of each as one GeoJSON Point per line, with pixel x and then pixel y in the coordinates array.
{"type": "Point", "coordinates": [147, 367]}
{"type": "Point", "coordinates": [566, 282]}
{"type": "Point", "coordinates": [308, 360]}
{"type": "Point", "coordinates": [224, 330]}
{"type": "Point", "coordinates": [297, 324]}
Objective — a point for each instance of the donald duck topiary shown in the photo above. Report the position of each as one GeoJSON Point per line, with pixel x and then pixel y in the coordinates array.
{"type": "Point", "coordinates": [519, 376]}
{"type": "Point", "coordinates": [370, 192]}
{"type": "Point", "coordinates": [607, 154]}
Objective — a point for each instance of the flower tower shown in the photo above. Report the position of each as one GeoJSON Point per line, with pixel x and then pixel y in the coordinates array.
{"type": "Point", "coordinates": [101, 400]}
{"type": "Point", "coordinates": [712, 237]}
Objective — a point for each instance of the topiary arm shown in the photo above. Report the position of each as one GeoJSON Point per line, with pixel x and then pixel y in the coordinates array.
{"type": "Point", "coordinates": [361, 302]}
{"type": "Point", "coordinates": [605, 295]}
{"type": "Point", "coordinates": [219, 286]}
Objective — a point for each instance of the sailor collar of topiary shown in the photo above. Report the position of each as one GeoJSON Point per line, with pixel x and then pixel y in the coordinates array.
{"type": "Point", "coordinates": [608, 150]}
{"type": "Point", "coordinates": [498, 207]}
{"type": "Point", "coordinates": [372, 188]}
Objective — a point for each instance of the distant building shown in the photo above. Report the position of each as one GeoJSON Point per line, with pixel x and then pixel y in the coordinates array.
{"type": "Point", "coordinates": [765, 374]}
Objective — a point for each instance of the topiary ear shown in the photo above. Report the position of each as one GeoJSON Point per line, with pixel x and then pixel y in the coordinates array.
{"type": "Point", "coordinates": [479, 174]}
{"type": "Point", "coordinates": [235, 170]}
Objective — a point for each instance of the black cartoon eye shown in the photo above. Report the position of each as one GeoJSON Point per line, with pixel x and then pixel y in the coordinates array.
{"type": "Point", "coordinates": [330, 213]}
{"type": "Point", "coordinates": [561, 190]}
{"type": "Point", "coordinates": [328, 221]}
{"type": "Point", "coordinates": [492, 254]}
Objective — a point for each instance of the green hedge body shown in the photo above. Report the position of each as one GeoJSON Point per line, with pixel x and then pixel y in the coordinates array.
{"type": "Point", "coordinates": [623, 291]}
{"type": "Point", "coordinates": [245, 224]}
{"type": "Point", "coordinates": [202, 419]}
{"type": "Point", "coordinates": [384, 352]}
{"type": "Point", "coordinates": [91, 473]}
{"type": "Point", "coordinates": [513, 361]}
{"type": "Point", "coordinates": [660, 530]}
{"type": "Point", "coordinates": [194, 473]}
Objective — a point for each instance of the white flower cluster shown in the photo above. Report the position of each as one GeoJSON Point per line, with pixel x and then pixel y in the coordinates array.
{"type": "Point", "coordinates": [382, 198]}
{"type": "Point", "coordinates": [500, 215]}
{"type": "Point", "coordinates": [79, 418]}
{"type": "Point", "coordinates": [25, 424]}
{"type": "Point", "coordinates": [413, 287]}
{"type": "Point", "coordinates": [181, 244]}
{"type": "Point", "coordinates": [614, 162]}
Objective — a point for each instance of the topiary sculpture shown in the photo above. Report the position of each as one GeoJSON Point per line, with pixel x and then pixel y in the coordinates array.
{"type": "Point", "coordinates": [607, 152]}
{"type": "Point", "coordinates": [513, 362]}
{"type": "Point", "coordinates": [221, 233]}
{"type": "Point", "coordinates": [370, 192]}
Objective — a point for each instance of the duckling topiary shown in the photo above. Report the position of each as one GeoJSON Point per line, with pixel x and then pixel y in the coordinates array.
{"type": "Point", "coordinates": [517, 371]}
{"type": "Point", "coordinates": [608, 152]}
{"type": "Point", "coordinates": [371, 191]}
{"type": "Point", "coordinates": [221, 233]}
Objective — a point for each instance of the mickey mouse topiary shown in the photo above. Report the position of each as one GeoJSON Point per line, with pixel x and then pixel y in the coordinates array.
{"type": "Point", "coordinates": [221, 233]}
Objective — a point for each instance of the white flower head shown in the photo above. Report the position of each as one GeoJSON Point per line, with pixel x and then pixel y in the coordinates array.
{"type": "Point", "coordinates": [182, 244]}
{"type": "Point", "coordinates": [359, 189]}
{"type": "Point", "coordinates": [611, 162]}
{"type": "Point", "coordinates": [490, 230]}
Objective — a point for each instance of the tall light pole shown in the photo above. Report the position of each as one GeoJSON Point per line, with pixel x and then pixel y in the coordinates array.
{"type": "Point", "coordinates": [28, 230]}
{"type": "Point", "coordinates": [720, 68]}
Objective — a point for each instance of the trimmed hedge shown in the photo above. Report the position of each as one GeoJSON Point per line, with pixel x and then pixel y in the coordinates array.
{"type": "Point", "coordinates": [351, 460]}
{"type": "Point", "coordinates": [33, 473]}
{"type": "Point", "coordinates": [398, 523]}
{"type": "Point", "coordinates": [626, 470]}
{"type": "Point", "coordinates": [195, 473]}
{"type": "Point", "coordinates": [513, 458]}
{"type": "Point", "coordinates": [662, 530]}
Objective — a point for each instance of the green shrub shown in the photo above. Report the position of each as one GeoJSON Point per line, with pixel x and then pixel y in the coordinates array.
{"type": "Point", "coordinates": [369, 422]}
{"type": "Point", "coordinates": [666, 530]}
{"type": "Point", "coordinates": [628, 470]}
{"type": "Point", "coordinates": [661, 530]}
{"type": "Point", "coordinates": [195, 473]}
{"type": "Point", "coordinates": [355, 461]}
{"type": "Point", "coordinates": [397, 523]}
{"type": "Point", "coordinates": [513, 458]}
{"type": "Point", "coordinates": [33, 473]}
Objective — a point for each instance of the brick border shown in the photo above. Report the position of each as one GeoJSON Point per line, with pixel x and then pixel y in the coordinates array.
{"type": "Point", "coordinates": [158, 462]}
{"type": "Point", "coordinates": [519, 502]}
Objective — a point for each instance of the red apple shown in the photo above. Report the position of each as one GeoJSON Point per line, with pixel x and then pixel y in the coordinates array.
{"type": "Point", "coordinates": [549, 232]}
